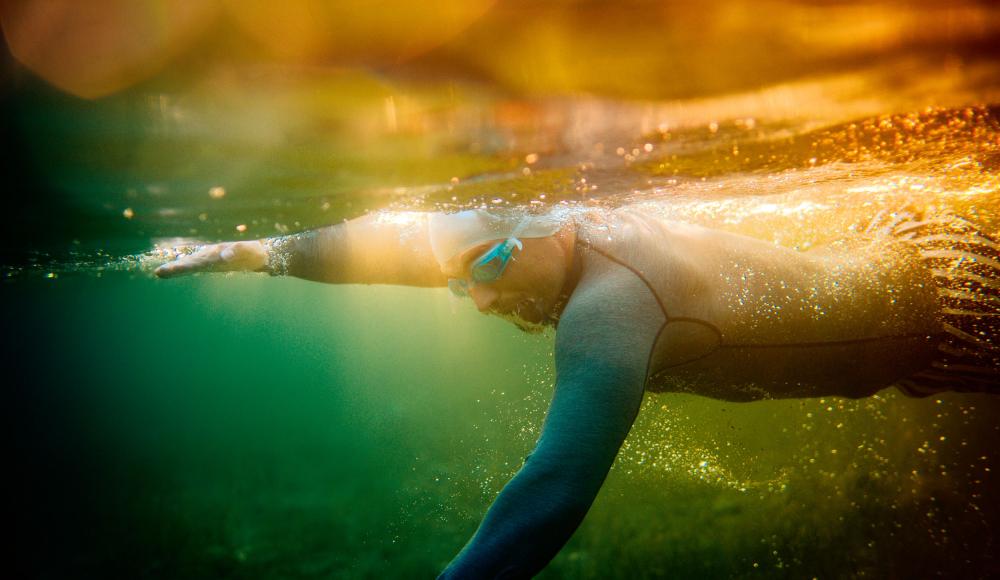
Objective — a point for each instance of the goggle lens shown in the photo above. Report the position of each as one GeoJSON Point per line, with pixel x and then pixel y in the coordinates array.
{"type": "Point", "coordinates": [489, 271]}
{"type": "Point", "coordinates": [487, 268]}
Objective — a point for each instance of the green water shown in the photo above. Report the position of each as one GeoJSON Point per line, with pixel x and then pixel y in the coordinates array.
{"type": "Point", "coordinates": [258, 427]}
{"type": "Point", "coordinates": [247, 427]}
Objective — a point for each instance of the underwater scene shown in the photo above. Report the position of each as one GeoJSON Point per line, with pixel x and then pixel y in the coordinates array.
{"type": "Point", "coordinates": [240, 425]}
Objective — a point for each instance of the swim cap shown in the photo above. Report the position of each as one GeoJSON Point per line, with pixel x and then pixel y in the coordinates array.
{"type": "Point", "coordinates": [454, 233]}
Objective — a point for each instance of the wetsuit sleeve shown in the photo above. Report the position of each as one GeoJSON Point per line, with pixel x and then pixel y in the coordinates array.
{"type": "Point", "coordinates": [601, 369]}
{"type": "Point", "coordinates": [381, 248]}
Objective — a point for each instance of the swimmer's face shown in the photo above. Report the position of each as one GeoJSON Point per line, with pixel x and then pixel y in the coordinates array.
{"type": "Point", "coordinates": [529, 287]}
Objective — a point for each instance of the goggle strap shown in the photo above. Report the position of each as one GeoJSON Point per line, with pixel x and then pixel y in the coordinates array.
{"type": "Point", "coordinates": [519, 228]}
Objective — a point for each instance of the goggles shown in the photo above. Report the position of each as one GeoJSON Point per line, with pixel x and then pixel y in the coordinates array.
{"type": "Point", "coordinates": [486, 268]}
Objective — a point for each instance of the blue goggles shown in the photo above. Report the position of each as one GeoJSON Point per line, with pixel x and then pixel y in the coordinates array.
{"type": "Point", "coordinates": [486, 268]}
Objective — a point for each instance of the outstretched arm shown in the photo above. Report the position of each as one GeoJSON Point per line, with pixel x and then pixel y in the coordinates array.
{"type": "Point", "coordinates": [602, 350]}
{"type": "Point", "coordinates": [380, 248]}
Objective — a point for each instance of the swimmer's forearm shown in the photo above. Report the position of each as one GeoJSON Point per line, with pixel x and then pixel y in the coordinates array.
{"type": "Point", "coordinates": [383, 248]}
{"type": "Point", "coordinates": [595, 402]}
{"type": "Point", "coordinates": [530, 521]}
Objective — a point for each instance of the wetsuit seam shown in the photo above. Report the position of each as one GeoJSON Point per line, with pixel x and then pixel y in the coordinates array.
{"type": "Point", "coordinates": [705, 323]}
{"type": "Point", "coordinates": [784, 345]}
{"type": "Point", "coordinates": [649, 358]}
{"type": "Point", "coordinates": [667, 319]}
{"type": "Point", "coordinates": [825, 342]}
{"type": "Point", "coordinates": [638, 274]}
{"type": "Point", "coordinates": [659, 332]}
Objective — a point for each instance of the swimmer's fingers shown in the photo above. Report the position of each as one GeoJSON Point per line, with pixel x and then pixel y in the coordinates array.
{"type": "Point", "coordinates": [225, 257]}
{"type": "Point", "coordinates": [201, 260]}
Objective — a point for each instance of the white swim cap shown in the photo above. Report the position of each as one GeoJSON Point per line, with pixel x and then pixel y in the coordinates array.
{"type": "Point", "coordinates": [454, 233]}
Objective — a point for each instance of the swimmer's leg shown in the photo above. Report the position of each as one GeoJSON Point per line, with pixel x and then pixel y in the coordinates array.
{"type": "Point", "coordinates": [965, 263]}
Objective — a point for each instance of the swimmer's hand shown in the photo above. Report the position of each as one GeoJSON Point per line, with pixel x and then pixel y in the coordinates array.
{"type": "Point", "coordinates": [225, 257]}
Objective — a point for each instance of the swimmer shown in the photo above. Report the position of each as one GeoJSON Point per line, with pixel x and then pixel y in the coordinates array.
{"type": "Point", "coordinates": [642, 304]}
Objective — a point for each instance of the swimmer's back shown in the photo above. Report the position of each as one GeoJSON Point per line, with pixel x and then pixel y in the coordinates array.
{"type": "Point", "coordinates": [747, 319]}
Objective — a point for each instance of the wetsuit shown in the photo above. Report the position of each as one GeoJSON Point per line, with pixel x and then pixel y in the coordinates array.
{"type": "Point", "coordinates": [667, 306]}
{"type": "Point", "coordinates": [748, 320]}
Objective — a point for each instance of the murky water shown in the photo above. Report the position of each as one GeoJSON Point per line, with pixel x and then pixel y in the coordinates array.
{"type": "Point", "coordinates": [244, 426]}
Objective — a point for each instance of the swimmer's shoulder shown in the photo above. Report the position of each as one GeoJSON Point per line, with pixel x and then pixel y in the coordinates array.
{"type": "Point", "coordinates": [611, 315]}
{"type": "Point", "coordinates": [661, 252]}
{"type": "Point", "coordinates": [610, 288]}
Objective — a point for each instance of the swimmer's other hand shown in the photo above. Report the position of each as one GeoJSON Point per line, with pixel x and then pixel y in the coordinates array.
{"type": "Point", "coordinates": [224, 257]}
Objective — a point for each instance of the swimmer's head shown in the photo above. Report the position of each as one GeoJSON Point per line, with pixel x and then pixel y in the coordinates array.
{"type": "Point", "coordinates": [530, 285]}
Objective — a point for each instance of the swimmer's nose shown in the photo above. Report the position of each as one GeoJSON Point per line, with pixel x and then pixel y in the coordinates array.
{"type": "Point", "coordinates": [484, 297]}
